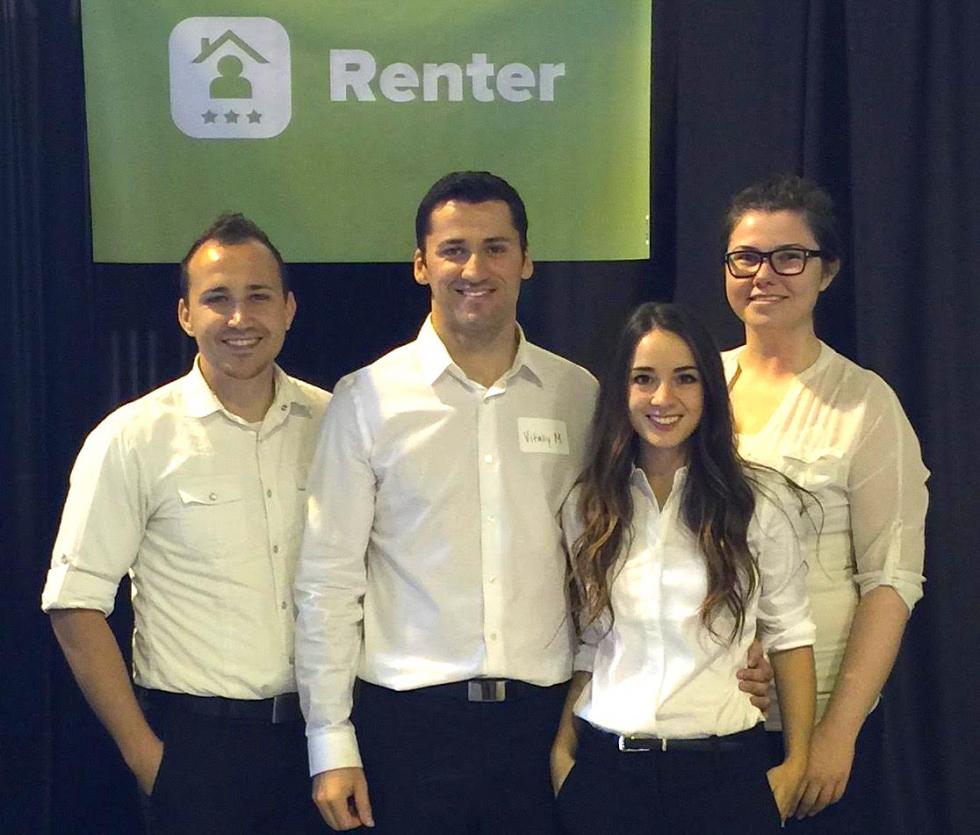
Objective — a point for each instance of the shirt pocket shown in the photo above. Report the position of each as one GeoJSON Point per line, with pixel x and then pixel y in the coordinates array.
{"type": "Point", "coordinates": [211, 514]}
{"type": "Point", "coordinates": [815, 469]}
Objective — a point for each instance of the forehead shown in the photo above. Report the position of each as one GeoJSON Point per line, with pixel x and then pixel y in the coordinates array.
{"type": "Point", "coordinates": [458, 219]}
{"type": "Point", "coordinates": [772, 228]}
{"type": "Point", "coordinates": [247, 263]}
{"type": "Point", "coordinates": [662, 349]}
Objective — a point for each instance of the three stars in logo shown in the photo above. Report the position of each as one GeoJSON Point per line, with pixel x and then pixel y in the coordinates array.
{"type": "Point", "coordinates": [210, 117]}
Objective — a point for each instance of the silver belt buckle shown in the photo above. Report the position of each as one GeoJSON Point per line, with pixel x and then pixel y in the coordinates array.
{"type": "Point", "coordinates": [639, 744]}
{"type": "Point", "coordinates": [486, 690]}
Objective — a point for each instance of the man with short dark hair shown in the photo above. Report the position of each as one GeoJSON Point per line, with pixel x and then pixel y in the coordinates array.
{"type": "Point", "coordinates": [197, 491]}
{"type": "Point", "coordinates": [432, 566]}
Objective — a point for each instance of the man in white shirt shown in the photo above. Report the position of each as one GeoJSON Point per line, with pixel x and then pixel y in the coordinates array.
{"type": "Point", "coordinates": [432, 567]}
{"type": "Point", "coordinates": [197, 491]}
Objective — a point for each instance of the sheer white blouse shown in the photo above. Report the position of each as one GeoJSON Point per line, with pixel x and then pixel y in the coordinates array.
{"type": "Point", "coordinates": [841, 433]}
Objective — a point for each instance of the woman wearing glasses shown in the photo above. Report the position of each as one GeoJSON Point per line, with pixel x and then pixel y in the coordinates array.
{"type": "Point", "coordinates": [838, 430]}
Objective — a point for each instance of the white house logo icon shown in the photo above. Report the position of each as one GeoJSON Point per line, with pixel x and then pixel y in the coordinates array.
{"type": "Point", "coordinates": [230, 77]}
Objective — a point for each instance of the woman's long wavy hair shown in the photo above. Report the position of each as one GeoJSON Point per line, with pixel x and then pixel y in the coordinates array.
{"type": "Point", "coordinates": [718, 499]}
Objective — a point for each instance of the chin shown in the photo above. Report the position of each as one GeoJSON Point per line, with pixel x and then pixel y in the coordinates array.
{"type": "Point", "coordinates": [247, 372]}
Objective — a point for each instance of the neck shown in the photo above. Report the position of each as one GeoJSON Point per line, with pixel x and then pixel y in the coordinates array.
{"type": "Point", "coordinates": [780, 352]}
{"type": "Point", "coordinates": [660, 466]}
{"type": "Point", "coordinates": [483, 357]}
{"type": "Point", "coordinates": [248, 399]}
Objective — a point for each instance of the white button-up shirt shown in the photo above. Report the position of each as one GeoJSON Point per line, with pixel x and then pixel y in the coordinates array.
{"type": "Point", "coordinates": [656, 670]}
{"type": "Point", "coordinates": [205, 512]}
{"type": "Point", "coordinates": [432, 551]}
{"type": "Point", "coordinates": [841, 433]}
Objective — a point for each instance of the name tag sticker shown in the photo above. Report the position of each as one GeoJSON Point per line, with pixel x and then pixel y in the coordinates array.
{"type": "Point", "coordinates": [543, 435]}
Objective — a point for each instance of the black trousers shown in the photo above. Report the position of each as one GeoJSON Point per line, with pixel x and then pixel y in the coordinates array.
{"type": "Point", "coordinates": [859, 810]}
{"type": "Point", "coordinates": [223, 776]}
{"type": "Point", "coordinates": [612, 792]}
{"type": "Point", "coordinates": [437, 764]}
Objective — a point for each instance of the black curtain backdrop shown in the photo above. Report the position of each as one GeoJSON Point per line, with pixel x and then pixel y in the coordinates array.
{"type": "Point", "coordinates": [878, 100]}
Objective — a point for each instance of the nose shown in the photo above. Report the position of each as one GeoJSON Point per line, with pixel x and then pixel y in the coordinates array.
{"type": "Point", "coordinates": [662, 394]}
{"type": "Point", "coordinates": [765, 273]}
{"type": "Point", "coordinates": [471, 267]}
{"type": "Point", "coordinates": [237, 316]}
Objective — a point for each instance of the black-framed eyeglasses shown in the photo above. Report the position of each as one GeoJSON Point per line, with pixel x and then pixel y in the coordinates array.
{"type": "Point", "coordinates": [787, 260]}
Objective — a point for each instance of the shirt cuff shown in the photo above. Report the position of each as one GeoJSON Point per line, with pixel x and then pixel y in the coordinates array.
{"type": "Point", "coordinates": [584, 660]}
{"type": "Point", "coordinates": [802, 634]}
{"type": "Point", "coordinates": [908, 584]}
{"type": "Point", "coordinates": [333, 748]}
{"type": "Point", "coordinates": [67, 587]}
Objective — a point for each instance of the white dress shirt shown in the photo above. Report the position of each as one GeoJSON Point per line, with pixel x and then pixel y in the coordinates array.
{"type": "Point", "coordinates": [205, 512]}
{"type": "Point", "coordinates": [841, 433]}
{"type": "Point", "coordinates": [432, 551]}
{"type": "Point", "coordinates": [657, 671]}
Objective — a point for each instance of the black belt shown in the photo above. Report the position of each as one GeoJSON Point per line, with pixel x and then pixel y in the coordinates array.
{"type": "Point", "coordinates": [476, 690]}
{"type": "Point", "coordinates": [279, 709]}
{"type": "Point", "coordinates": [630, 744]}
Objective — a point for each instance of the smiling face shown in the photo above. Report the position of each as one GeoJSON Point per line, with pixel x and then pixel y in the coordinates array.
{"type": "Point", "coordinates": [666, 398]}
{"type": "Point", "coordinates": [474, 266]}
{"type": "Point", "coordinates": [236, 311]}
{"type": "Point", "coordinates": [770, 300]}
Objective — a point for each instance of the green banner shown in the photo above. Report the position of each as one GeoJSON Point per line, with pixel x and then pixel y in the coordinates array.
{"type": "Point", "coordinates": [327, 121]}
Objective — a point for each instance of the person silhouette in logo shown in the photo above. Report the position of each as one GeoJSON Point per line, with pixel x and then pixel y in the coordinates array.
{"type": "Point", "coordinates": [230, 84]}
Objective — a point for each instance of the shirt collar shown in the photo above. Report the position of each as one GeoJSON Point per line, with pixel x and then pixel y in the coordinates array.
{"type": "Point", "coordinates": [639, 479]}
{"type": "Point", "coordinates": [200, 401]}
{"type": "Point", "coordinates": [435, 360]}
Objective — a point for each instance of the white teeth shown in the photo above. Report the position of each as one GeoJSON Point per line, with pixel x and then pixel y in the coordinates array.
{"type": "Point", "coordinates": [243, 343]}
{"type": "Point", "coordinates": [663, 420]}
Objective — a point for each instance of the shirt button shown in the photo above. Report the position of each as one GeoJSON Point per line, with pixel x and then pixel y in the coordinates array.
{"type": "Point", "coordinates": [283, 407]}
{"type": "Point", "coordinates": [291, 661]}
{"type": "Point", "coordinates": [493, 636]}
{"type": "Point", "coordinates": [268, 493]}
{"type": "Point", "coordinates": [491, 518]}
{"type": "Point", "coordinates": [487, 459]}
{"type": "Point", "coordinates": [493, 579]}
{"type": "Point", "coordinates": [213, 497]}
{"type": "Point", "coordinates": [275, 549]}
{"type": "Point", "coordinates": [283, 605]}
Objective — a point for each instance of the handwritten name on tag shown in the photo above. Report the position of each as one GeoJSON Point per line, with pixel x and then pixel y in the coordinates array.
{"type": "Point", "coordinates": [543, 435]}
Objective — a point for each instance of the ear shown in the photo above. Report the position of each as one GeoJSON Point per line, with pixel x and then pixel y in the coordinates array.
{"type": "Point", "coordinates": [290, 309]}
{"type": "Point", "coordinates": [184, 317]}
{"type": "Point", "coordinates": [419, 268]}
{"type": "Point", "coordinates": [527, 269]}
{"type": "Point", "coordinates": [831, 268]}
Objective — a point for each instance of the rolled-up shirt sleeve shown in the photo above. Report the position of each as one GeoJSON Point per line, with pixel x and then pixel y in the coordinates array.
{"type": "Point", "coordinates": [888, 501]}
{"type": "Point", "coordinates": [784, 606]}
{"type": "Point", "coordinates": [101, 526]}
{"type": "Point", "coordinates": [331, 580]}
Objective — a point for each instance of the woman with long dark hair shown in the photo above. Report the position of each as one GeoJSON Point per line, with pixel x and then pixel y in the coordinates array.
{"type": "Point", "coordinates": [839, 431]}
{"type": "Point", "coordinates": [680, 554]}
